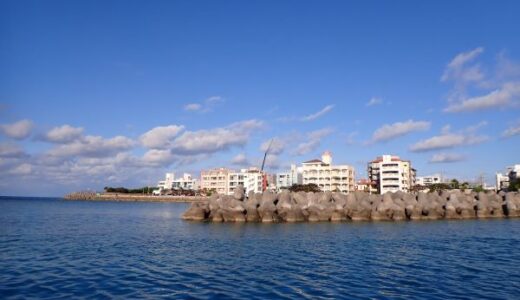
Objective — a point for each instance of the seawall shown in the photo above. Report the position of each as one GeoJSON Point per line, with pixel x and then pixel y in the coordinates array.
{"type": "Point", "coordinates": [326, 206]}
{"type": "Point", "coordinates": [91, 196]}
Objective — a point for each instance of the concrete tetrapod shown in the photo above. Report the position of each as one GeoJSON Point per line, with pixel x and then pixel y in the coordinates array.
{"type": "Point", "coordinates": [269, 207]}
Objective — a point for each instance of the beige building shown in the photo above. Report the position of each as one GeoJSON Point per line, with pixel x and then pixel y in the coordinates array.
{"type": "Point", "coordinates": [328, 177]}
{"type": "Point", "coordinates": [363, 185]}
{"type": "Point", "coordinates": [224, 181]}
{"type": "Point", "coordinates": [390, 173]}
{"type": "Point", "coordinates": [250, 179]}
{"type": "Point", "coordinates": [215, 179]}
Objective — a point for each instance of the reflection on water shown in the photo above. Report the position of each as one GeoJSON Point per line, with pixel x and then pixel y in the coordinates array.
{"type": "Point", "coordinates": [57, 249]}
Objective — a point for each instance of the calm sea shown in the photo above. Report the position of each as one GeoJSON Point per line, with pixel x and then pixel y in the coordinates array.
{"type": "Point", "coordinates": [51, 248]}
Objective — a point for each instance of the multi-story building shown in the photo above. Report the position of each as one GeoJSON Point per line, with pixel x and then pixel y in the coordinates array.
{"type": "Point", "coordinates": [250, 179]}
{"type": "Point", "coordinates": [271, 182]}
{"type": "Point", "coordinates": [215, 179]}
{"type": "Point", "coordinates": [503, 180]}
{"type": "Point", "coordinates": [391, 174]}
{"type": "Point", "coordinates": [428, 180]}
{"type": "Point", "coordinates": [167, 183]}
{"type": "Point", "coordinates": [288, 179]}
{"type": "Point", "coordinates": [186, 182]}
{"type": "Point", "coordinates": [328, 177]}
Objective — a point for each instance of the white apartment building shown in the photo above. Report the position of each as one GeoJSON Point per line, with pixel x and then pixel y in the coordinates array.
{"type": "Point", "coordinates": [428, 180]}
{"type": "Point", "coordinates": [250, 179]}
{"type": "Point", "coordinates": [511, 174]}
{"type": "Point", "coordinates": [391, 174]}
{"type": "Point", "coordinates": [327, 176]}
{"type": "Point", "coordinates": [215, 179]}
{"type": "Point", "coordinates": [288, 179]}
{"type": "Point", "coordinates": [186, 182]}
{"type": "Point", "coordinates": [167, 183]}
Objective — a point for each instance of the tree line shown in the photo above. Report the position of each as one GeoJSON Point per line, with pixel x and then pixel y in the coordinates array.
{"type": "Point", "coordinates": [123, 190]}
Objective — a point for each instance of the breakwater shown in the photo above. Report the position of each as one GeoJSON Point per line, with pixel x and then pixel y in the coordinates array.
{"type": "Point", "coordinates": [269, 207]}
{"type": "Point", "coordinates": [92, 196]}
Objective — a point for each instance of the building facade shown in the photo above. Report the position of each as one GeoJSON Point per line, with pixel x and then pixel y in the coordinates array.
{"type": "Point", "coordinates": [328, 177]}
{"type": "Point", "coordinates": [186, 182]}
{"type": "Point", "coordinates": [503, 180]}
{"type": "Point", "coordinates": [364, 185]}
{"type": "Point", "coordinates": [288, 179]}
{"type": "Point", "coordinates": [167, 183]}
{"type": "Point", "coordinates": [250, 179]}
{"type": "Point", "coordinates": [215, 179]}
{"type": "Point", "coordinates": [390, 173]}
{"type": "Point", "coordinates": [428, 180]}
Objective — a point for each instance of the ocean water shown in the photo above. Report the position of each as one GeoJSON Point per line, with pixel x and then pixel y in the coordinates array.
{"type": "Point", "coordinates": [52, 248]}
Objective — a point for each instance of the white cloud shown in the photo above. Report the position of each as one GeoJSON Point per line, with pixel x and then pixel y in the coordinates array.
{"type": "Point", "coordinates": [272, 162]}
{"type": "Point", "coordinates": [446, 129]}
{"type": "Point", "coordinates": [96, 161]}
{"type": "Point", "coordinates": [446, 141]}
{"type": "Point", "coordinates": [11, 151]}
{"type": "Point", "coordinates": [18, 130]}
{"type": "Point", "coordinates": [447, 158]}
{"type": "Point", "coordinates": [506, 68]}
{"type": "Point", "coordinates": [215, 140]}
{"type": "Point", "coordinates": [395, 130]}
{"type": "Point", "coordinates": [206, 105]}
{"type": "Point", "coordinates": [64, 134]}
{"type": "Point", "coordinates": [464, 57]}
{"type": "Point", "coordinates": [500, 89]}
{"type": "Point", "coordinates": [455, 69]}
{"type": "Point", "coordinates": [23, 169]}
{"type": "Point", "coordinates": [313, 141]}
{"type": "Point", "coordinates": [93, 146]}
{"type": "Point", "coordinates": [318, 114]}
{"type": "Point", "coordinates": [474, 128]}
{"type": "Point", "coordinates": [192, 107]}
{"type": "Point", "coordinates": [374, 101]}
{"type": "Point", "coordinates": [511, 131]}
{"type": "Point", "coordinates": [277, 145]}
{"type": "Point", "coordinates": [158, 157]}
{"type": "Point", "coordinates": [240, 160]}
{"type": "Point", "coordinates": [214, 99]}
{"type": "Point", "coordinates": [351, 138]}
{"type": "Point", "coordinates": [505, 96]}
{"type": "Point", "coordinates": [161, 137]}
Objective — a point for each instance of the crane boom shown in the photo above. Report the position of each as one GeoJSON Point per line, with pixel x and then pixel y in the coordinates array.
{"type": "Point", "coordinates": [264, 175]}
{"type": "Point", "coordinates": [265, 155]}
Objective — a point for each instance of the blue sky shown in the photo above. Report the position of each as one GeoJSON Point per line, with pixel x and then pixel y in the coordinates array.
{"type": "Point", "coordinates": [96, 93]}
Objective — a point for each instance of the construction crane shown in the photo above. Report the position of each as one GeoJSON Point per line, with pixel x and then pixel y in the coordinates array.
{"type": "Point", "coordinates": [264, 175]}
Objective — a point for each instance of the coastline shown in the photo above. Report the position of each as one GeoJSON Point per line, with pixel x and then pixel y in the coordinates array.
{"type": "Point", "coordinates": [132, 198]}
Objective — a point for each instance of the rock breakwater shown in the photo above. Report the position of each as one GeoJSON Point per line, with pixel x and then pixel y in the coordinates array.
{"type": "Point", "coordinates": [269, 207]}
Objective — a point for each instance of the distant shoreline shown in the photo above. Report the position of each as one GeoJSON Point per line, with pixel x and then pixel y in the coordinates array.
{"type": "Point", "coordinates": [132, 198]}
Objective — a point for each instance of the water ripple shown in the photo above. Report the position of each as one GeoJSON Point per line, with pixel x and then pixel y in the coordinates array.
{"type": "Point", "coordinates": [61, 250]}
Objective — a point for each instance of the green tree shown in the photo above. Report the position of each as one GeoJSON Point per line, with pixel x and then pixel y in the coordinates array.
{"type": "Point", "coordinates": [437, 187]}
{"type": "Point", "coordinates": [478, 189]}
{"type": "Point", "coordinates": [514, 186]}
{"type": "Point", "coordinates": [454, 183]}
